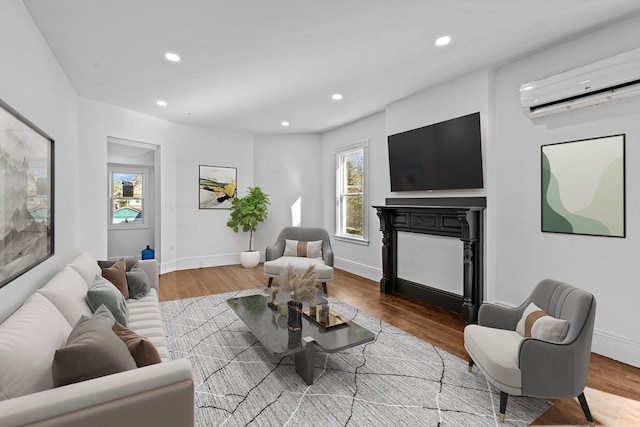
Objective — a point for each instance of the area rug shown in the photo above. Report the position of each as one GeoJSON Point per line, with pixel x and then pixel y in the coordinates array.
{"type": "Point", "coordinates": [395, 380]}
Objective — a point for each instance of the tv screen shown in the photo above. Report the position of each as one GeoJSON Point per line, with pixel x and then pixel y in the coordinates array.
{"type": "Point", "coordinates": [441, 156]}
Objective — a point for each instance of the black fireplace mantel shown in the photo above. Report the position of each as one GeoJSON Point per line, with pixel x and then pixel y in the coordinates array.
{"type": "Point", "coordinates": [458, 217]}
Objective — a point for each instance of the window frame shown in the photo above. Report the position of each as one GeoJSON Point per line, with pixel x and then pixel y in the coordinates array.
{"type": "Point", "coordinates": [340, 197]}
{"type": "Point", "coordinates": [119, 169]}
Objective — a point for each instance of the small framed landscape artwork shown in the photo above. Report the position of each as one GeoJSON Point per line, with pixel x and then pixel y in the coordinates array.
{"type": "Point", "coordinates": [583, 187]}
{"type": "Point", "coordinates": [217, 187]}
{"type": "Point", "coordinates": [26, 188]}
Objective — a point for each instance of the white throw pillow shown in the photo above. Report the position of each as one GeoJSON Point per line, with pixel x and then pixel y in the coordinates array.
{"type": "Point", "coordinates": [67, 291]}
{"type": "Point", "coordinates": [86, 266]}
{"type": "Point", "coordinates": [28, 341]}
{"type": "Point", "coordinates": [536, 323]}
{"type": "Point", "coordinates": [302, 248]}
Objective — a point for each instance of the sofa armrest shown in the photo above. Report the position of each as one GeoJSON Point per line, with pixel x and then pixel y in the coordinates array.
{"type": "Point", "coordinates": [548, 370]}
{"type": "Point", "coordinates": [327, 256]}
{"type": "Point", "coordinates": [150, 266]}
{"type": "Point", "coordinates": [498, 316]}
{"type": "Point", "coordinates": [158, 395]}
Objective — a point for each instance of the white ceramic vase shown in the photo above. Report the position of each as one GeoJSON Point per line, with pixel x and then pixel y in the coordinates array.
{"type": "Point", "coordinates": [249, 259]}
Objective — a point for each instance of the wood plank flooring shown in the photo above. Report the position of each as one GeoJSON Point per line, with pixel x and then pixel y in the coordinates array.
{"type": "Point", "coordinates": [613, 388]}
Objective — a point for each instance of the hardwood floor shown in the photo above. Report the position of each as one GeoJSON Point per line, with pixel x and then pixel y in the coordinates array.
{"type": "Point", "coordinates": [613, 388]}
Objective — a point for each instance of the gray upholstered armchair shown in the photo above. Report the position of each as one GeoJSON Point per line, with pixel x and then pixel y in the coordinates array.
{"type": "Point", "coordinates": [551, 360]}
{"type": "Point", "coordinates": [301, 253]}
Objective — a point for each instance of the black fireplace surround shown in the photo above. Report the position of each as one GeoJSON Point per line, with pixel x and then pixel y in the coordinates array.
{"type": "Point", "coordinates": [458, 217]}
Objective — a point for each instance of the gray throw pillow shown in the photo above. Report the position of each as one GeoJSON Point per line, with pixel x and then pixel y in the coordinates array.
{"type": "Point", "coordinates": [104, 316]}
{"type": "Point", "coordinates": [104, 292]}
{"type": "Point", "coordinates": [138, 283]}
{"type": "Point", "coordinates": [92, 350]}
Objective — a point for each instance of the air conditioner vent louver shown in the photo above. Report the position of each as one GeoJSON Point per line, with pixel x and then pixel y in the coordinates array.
{"type": "Point", "coordinates": [610, 79]}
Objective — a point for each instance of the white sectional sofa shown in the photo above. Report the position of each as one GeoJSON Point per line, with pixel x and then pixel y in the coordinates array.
{"type": "Point", "coordinates": [157, 395]}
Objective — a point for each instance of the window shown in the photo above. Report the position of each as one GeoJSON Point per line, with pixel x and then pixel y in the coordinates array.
{"type": "Point", "coordinates": [351, 212]}
{"type": "Point", "coordinates": [127, 195]}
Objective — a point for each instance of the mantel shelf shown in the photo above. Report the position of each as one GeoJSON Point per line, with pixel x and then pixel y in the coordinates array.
{"type": "Point", "coordinates": [458, 217]}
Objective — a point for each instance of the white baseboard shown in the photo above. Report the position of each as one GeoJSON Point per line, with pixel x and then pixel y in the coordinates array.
{"type": "Point", "coordinates": [362, 270]}
{"type": "Point", "coordinates": [616, 347]}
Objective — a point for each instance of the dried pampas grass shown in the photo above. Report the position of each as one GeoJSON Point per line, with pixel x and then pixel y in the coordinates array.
{"type": "Point", "coordinates": [300, 286]}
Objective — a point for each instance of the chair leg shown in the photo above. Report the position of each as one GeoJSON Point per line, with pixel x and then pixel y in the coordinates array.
{"type": "Point", "coordinates": [471, 362]}
{"type": "Point", "coordinates": [270, 281]}
{"type": "Point", "coordinates": [585, 408]}
{"type": "Point", "coordinates": [503, 405]}
{"type": "Point", "coordinates": [324, 288]}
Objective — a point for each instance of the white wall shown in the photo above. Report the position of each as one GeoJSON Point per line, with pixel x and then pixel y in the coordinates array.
{"type": "Point", "coordinates": [601, 265]}
{"type": "Point", "coordinates": [287, 168]}
{"type": "Point", "coordinates": [359, 259]}
{"type": "Point", "coordinates": [190, 236]}
{"type": "Point", "coordinates": [34, 84]}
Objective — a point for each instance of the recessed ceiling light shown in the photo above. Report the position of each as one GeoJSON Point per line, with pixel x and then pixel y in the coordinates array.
{"type": "Point", "coordinates": [161, 103]}
{"type": "Point", "coordinates": [285, 124]}
{"type": "Point", "coordinates": [336, 96]}
{"type": "Point", "coordinates": [443, 41]}
{"type": "Point", "coordinates": [170, 56]}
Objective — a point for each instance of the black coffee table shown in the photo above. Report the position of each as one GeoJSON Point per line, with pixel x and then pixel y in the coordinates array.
{"type": "Point", "coordinates": [270, 327]}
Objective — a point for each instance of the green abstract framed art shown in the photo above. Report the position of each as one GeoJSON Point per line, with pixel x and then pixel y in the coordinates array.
{"type": "Point", "coordinates": [583, 187]}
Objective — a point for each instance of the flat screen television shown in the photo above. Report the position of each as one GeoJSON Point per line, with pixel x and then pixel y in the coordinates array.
{"type": "Point", "coordinates": [441, 156]}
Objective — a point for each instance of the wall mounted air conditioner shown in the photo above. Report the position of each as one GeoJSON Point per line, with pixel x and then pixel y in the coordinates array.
{"type": "Point", "coordinates": [610, 79]}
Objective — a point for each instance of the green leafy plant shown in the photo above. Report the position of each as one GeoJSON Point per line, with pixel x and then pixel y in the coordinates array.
{"type": "Point", "coordinates": [249, 211]}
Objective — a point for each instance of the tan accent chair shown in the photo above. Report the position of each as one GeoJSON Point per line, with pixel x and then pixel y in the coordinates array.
{"type": "Point", "coordinates": [525, 366]}
{"type": "Point", "coordinates": [275, 261]}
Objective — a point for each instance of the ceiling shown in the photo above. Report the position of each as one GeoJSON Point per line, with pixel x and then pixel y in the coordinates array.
{"type": "Point", "coordinates": [248, 65]}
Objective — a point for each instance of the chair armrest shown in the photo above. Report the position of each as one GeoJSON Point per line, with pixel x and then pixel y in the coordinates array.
{"type": "Point", "coordinates": [327, 256]}
{"type": "Point", "coordinates": [158, 395]}
{"type": "Point", "coordinates": [150, 266]}
{"type": "Point", "coordinates": [272, 252]}
{"type": "Point", "coordinates": [498, 316]}
{"type": "Point", "coordinates": [548, 370]}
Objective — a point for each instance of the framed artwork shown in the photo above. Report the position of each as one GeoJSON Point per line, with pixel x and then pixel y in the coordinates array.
{"type": "Point", "coordinates": [583, 187]}
{"type": "Point", "coordinates": [26, 185]}
{"type": "Point", "coordinates": [217, 187]}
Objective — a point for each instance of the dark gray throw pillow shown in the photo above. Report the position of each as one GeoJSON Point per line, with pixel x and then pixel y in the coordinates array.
{"type": "Point", "coordinates": [104, 292]}
{"type": "Point", "coordinates": [138, 283]}
{"type": "Point", "coordinates": [92, 350]}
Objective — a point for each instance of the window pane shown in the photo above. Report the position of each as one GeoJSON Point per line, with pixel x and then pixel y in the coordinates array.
{"type": "Point", "coordinates": [354, 169]}
{"type": "Point", "coordinates": [127, 185]}
{"type": "Point", "coordinates": [354, 221]}
{"type": "Point", "coordinates": [127, 211]}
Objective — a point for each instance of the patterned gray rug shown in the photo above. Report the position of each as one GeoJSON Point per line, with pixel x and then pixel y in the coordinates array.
{"type": "Point", "coordinates": [396, 380]}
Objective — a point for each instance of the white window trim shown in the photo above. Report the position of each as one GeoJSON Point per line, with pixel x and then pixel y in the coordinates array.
{"type": "Point", "coordinates": [145, 177]}
{"type": "Point", "coordinates": [340, 151]}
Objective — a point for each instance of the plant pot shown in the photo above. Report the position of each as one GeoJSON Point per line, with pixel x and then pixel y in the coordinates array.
{"type": "Point", "coordinates": [249, 259]}
{"type": "Point", "coordinates": [294, 321]}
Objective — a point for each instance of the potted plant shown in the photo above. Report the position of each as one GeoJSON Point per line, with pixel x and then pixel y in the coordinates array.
{"type": "Point", "coordinates": [246, 213]}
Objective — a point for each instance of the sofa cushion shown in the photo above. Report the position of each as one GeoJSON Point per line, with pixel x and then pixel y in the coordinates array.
{"type": "Point", "coordinates": [536, 323]}
{"type": "Point", "coordinates": [141, 348]}
{"type": "Point", "coordinates": [104, 292]}
{"type": "Point", "coordinates": [138, 283]}
{"type": "Point", "coordinates": [301, 248]}
{"type": "Point", "coordinates": [67, 291]}
{"type": "Point", "coordinates": [116, 274]}
{"type": "Point", "coordinates": [91, 351]}
{"type": "Point", "coordinates": [86, 266]}
{"type": "Point", "coordinates": [28, 341]}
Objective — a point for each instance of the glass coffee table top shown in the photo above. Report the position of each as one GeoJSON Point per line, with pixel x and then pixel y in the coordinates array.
{"type": "Point", "coordinates": [269, 325]}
